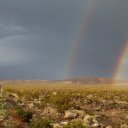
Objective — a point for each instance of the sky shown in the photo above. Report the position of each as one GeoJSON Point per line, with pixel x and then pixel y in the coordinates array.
{"type": "Point", "coordinates": [37, 37]}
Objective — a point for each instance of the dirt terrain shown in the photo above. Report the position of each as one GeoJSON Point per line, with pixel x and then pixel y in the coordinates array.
{"type": "Point", "coordinates": [44, 104]}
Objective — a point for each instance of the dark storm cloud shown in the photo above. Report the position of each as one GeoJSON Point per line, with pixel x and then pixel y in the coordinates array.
{"type": "Point", "coordinates": [57, 15]}
{"type": "Point", "coordinates": [106, 37]}
{"type": "Point", "coordinates": [36, 35]}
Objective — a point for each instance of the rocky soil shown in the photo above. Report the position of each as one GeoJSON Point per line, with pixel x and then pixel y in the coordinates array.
{"type": "Point", "coordinates": [63, 108]}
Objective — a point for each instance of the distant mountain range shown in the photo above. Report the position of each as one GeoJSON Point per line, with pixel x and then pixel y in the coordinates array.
{"type": "Point", "coordinates": [93, 80]}
{"type": "Point", "coordinates": [90, 80]}
{"type": "Point", "coordinates": [78, 80]}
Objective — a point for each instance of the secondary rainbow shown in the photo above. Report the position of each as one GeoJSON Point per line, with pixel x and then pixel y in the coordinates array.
{"type": "Point", "coordinates": [75, 45]}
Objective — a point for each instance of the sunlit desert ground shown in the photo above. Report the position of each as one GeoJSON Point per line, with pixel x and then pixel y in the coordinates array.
{"type": "Point", "coordinates": [47, 104]}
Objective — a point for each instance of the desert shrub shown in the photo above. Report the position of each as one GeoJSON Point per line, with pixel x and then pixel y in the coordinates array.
{"type": "Point", "coordinates": [74, 124]}
{"type": "Point", "coordinates": [42, 123]}
{"type": "Point", "coordinates": [25, 115]}
{"type": "Point", "coordinates": [8, 124]}
{"type": "Point", "coordinates": [62, 102]}
{"type": "Point", "coordinates": [62, 107]}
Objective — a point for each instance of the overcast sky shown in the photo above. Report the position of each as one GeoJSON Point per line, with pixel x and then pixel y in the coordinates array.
{"type": "Point", "coordinates": [36, 37]}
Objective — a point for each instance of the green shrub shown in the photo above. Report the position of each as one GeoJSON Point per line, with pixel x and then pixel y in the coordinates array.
{"type": "Point", "coordinates": [74, 124]}
{"type": "Point", "coordinates": [42, 123]}
{"type": "Point", "coordinates": [25, 115]}
{"type": "Point", "coordinates": [62, 102]}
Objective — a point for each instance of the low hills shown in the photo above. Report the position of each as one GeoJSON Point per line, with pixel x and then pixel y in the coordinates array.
{"type": "Point", "coordinates": [77, 80]}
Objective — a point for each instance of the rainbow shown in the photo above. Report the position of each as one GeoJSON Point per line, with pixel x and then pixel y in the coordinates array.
{"type": "Point", "coordinates": [75, 45]}
{"type": "Point", "coordinates": [121, 71]}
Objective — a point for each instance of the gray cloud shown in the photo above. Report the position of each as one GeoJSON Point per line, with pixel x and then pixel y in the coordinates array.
{"type": "Point", "coordinates": [36, 37]}
{"type": "Point", "coordinates": [11, 30]}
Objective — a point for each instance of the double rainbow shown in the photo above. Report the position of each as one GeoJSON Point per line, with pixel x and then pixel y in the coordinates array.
{"type": "Point", "coordinates": [121, 70]}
